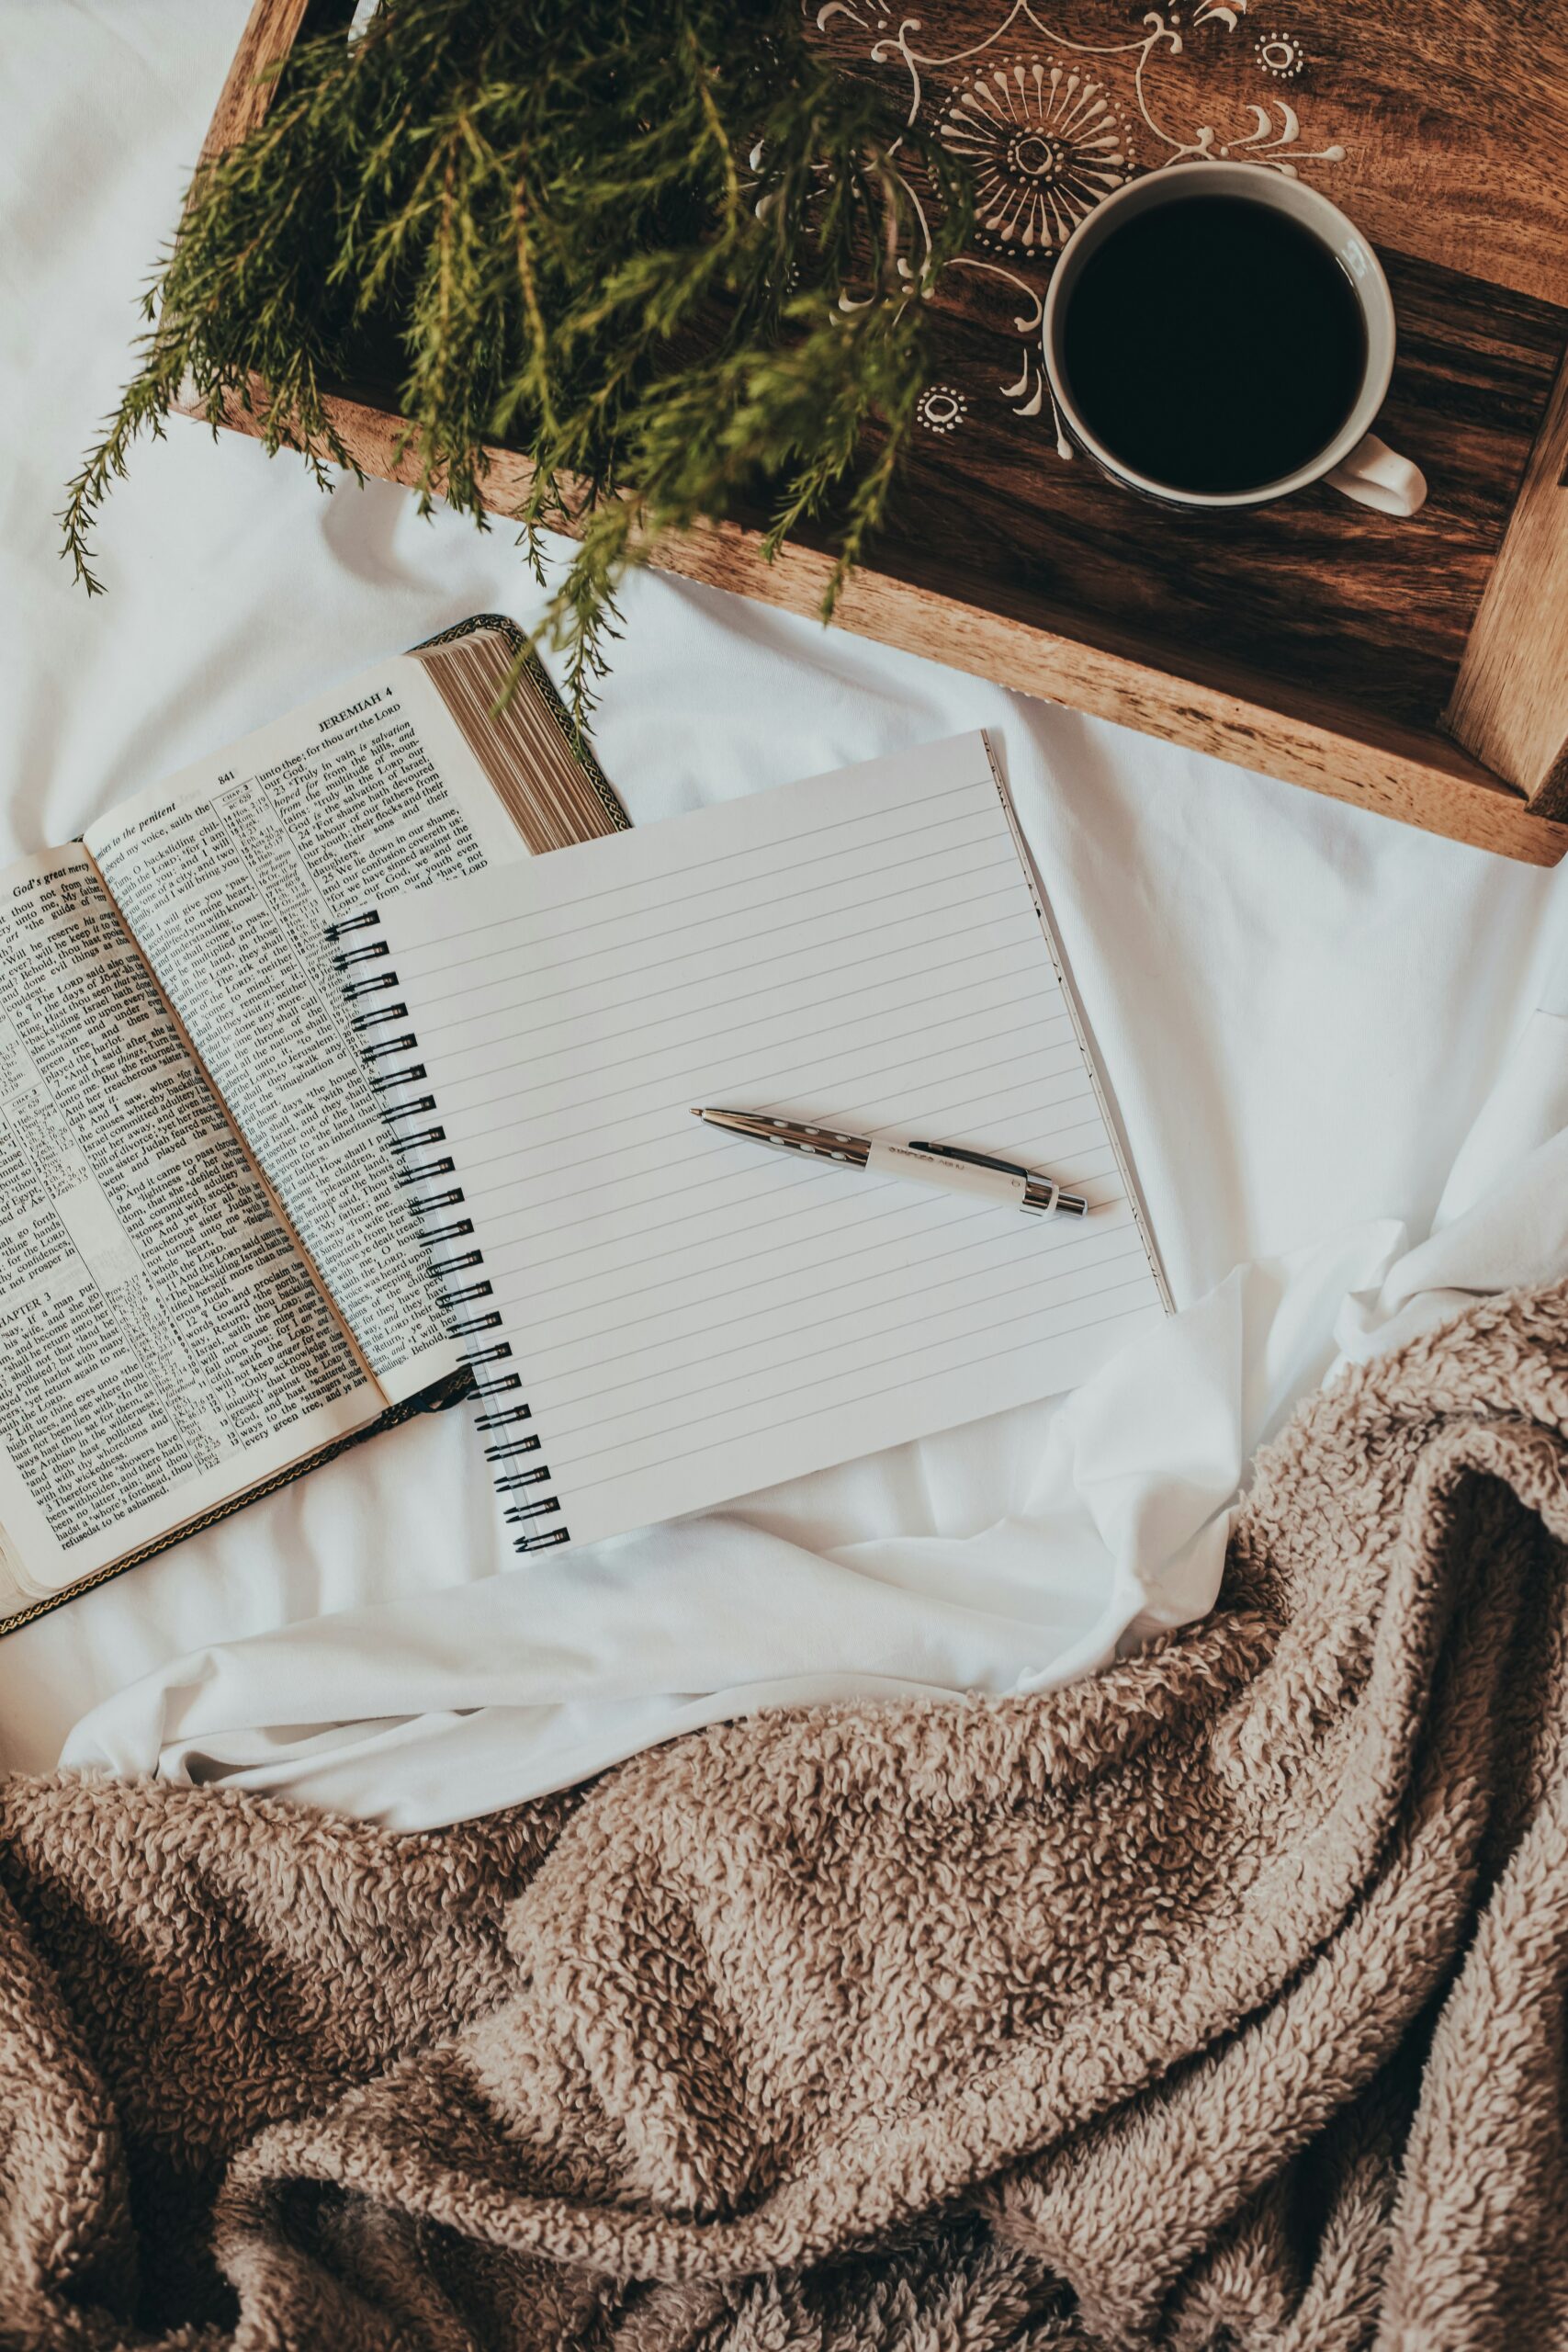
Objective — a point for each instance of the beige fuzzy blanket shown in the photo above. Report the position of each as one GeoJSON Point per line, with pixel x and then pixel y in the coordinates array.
{"type": "Point", "coordinates": [1217, 2002]}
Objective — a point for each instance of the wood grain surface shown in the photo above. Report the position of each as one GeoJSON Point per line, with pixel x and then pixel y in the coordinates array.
{"type": "Point", "coordinates": [271, 31]}
{"type": "Point", "coordinates": [1440, 125]}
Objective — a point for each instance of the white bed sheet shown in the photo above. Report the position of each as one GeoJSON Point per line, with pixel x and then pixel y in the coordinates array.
{"type": "Point", "coordinates": [1304, 1012]}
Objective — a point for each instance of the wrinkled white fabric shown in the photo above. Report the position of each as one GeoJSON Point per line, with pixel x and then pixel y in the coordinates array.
{"type": "Point", "coordinates": [1336, 1047]}
{"type": "Point", "coordinates": [454, 1703]}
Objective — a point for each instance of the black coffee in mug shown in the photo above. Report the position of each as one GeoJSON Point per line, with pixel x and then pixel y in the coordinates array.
{"type": "Point", "coordinates": [1214, 346]}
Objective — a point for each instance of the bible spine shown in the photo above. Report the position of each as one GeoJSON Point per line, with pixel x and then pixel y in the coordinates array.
{"type": "Point", "coordinates": [389, 1051]}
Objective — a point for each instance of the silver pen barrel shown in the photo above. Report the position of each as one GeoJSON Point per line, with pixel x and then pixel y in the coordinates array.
{"type": "Point", "coordinates": [792, 1135]}
{"type": "Point", "coordinates": [1042, 1198]}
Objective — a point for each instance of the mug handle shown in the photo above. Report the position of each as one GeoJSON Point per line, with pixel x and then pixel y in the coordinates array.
{"type": "Point", "coordinates": [1375, 475]}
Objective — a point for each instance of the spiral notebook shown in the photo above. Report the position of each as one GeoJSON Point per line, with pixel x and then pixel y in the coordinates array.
{"type": "Point", "coordinates": [659, 1318]}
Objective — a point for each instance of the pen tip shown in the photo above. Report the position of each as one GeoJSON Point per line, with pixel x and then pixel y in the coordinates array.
{"type": "Point", "coordinates": [695, 1113]}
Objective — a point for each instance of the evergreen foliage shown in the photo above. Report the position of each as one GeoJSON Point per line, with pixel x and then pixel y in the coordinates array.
{"type": "Point", "coordinates": [658, 244]}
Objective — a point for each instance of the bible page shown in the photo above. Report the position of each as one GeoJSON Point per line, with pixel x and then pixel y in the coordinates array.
{"type": "Point", "coordinates": [163, 1345]}
{"type": "Point", "coordinates": [227, 875]}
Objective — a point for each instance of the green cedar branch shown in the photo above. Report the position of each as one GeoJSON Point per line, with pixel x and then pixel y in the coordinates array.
{"type": "Point", "coordinates": [659, 246]}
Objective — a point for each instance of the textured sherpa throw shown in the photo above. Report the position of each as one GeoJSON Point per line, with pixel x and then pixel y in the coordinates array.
{"type": "Point", "coordinates": [1215, 2002]}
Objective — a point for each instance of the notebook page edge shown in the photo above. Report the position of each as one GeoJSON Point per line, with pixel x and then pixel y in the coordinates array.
{"type": "Point", "coordinates": [1108, 1111]}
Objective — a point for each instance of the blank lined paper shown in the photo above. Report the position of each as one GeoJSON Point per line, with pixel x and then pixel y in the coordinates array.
{"type": "Point", "coordinates": [692, 1316]}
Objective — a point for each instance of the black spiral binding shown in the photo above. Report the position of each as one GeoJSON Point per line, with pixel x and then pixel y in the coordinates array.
{"type": "Point", "coordinates": [367, 990]}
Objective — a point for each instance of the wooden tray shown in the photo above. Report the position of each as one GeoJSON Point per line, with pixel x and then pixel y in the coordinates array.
{"type": "Point", "coordinates": [1419, 667]}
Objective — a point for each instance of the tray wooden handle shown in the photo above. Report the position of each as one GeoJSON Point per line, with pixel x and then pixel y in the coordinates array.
{"type": "Point", "coordinates": [1510, 700]}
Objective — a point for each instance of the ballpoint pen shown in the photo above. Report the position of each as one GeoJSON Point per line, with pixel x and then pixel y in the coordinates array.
{"type": "Point", "coordinates": [946, 1165]}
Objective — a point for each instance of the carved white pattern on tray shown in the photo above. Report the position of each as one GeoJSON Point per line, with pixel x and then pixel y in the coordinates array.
{"type": "Point", "coordinates": [942, 408]}
{"type": "Point", "coordinates": [1281, 55]}
{"type": "Point", "coordinates": [1044, 142]}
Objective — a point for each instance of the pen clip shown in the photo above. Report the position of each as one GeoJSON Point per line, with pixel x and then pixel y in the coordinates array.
{"type": "Point", "coordinates": [974, 1159]}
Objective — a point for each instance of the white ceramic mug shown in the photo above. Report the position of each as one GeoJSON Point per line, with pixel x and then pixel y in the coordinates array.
{"type": "Point", "coordinates": [1355, 461]}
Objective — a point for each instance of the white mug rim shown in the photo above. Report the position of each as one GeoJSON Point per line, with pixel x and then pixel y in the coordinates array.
{"type": "Point", "coordinates": [1372, 291]}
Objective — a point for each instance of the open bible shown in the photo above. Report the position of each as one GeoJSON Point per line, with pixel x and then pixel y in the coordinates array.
{"type": "Point", "coordinates": [209, 1280]}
